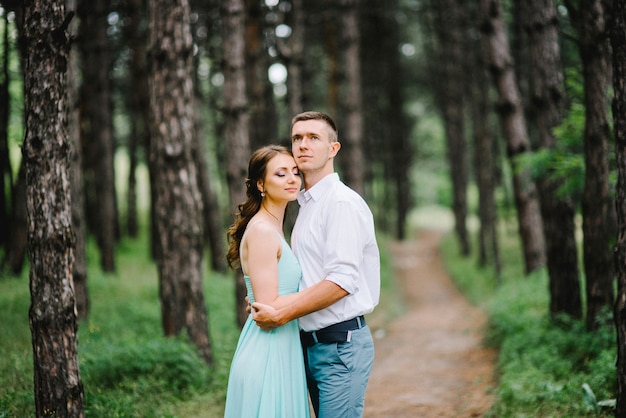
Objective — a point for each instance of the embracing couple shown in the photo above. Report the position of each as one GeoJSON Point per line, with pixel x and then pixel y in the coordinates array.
{"type": "Point", "coordinates": [328, 282]}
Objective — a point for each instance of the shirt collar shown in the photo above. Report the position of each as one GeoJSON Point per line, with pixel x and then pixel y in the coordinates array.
{"type": "Point", "coordinates": [318, 190]}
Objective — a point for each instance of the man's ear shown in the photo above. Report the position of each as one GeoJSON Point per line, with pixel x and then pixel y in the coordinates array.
{"type": "Point", "coordinates": [334, 148]}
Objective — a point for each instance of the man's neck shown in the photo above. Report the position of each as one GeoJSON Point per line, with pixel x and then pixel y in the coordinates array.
{"type": "Point", "coordinates": [312, 179]}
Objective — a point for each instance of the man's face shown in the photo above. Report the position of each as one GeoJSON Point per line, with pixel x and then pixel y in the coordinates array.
{"type": "Point", "coordinates": [311, 146]}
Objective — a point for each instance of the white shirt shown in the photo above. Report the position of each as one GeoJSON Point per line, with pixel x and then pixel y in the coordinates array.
{"type": "Point", "coordinates": [334, 239]}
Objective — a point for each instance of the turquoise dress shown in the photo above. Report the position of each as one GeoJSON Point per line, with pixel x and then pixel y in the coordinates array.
{"type": "Point", "coordinates": [267, 378]}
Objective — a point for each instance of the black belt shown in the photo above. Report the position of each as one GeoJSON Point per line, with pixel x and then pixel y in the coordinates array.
{"type": "Point", "coordinates": [336, 333]}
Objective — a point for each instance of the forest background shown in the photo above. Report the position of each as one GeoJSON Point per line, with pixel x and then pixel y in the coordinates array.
{"type": "Point", "coordinates": [126, 122]}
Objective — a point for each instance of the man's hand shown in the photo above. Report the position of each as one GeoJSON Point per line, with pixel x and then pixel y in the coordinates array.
{"type": "Point", "coordinates": [248, 308]}
{"type": "Point", "coordinates": [265, 316]}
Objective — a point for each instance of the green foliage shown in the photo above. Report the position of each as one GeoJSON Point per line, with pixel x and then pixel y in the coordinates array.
{"type": "Point", "coordinates": [548, 367]}
{"type": "Point", "coordinates": [565, 162]}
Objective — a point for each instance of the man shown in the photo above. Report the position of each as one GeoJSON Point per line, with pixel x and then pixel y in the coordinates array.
{"type": "Point", "coordinates": [335, 243]}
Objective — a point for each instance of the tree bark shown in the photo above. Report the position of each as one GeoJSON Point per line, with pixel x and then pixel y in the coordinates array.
{"type": "Point", "coordinates": [138, 105]}
{"type": "Point", "coordinates": [520, 51]}
{"type": "Point", "coordinates": [557, 211]}
{"type": "Point", "coordinates": [514, 131]}
{"type": "Point", "coordinates": [484, 150]}
{"type": "Point", "coordinates": [97, 123]}
{"type": "Point", "coordinates": [387, 147]}
{"type": "Point", "coordinates": [6, 176]}
{"type": "Point", "coordinates": [294, 58]}
{"type": "Point", "coordinates": [334, 76]}
{"type": "Point", "coordinates": [263, 118]}
{"type": "Point", "coordinates": [618, 45]}
{"type": "Point", "coordinates": [591, 19]}
{"type": "Point", "coordinates": [18, 235]}
{"type": "Point", "coordinates": [236, 121]}
{"type": "Point", "coordinates": [81, 289]}
{"type": "Point", "coordinates": [178, 203]}
{"type": "Point", "coordinates": [451, 36]}
{"type": "Point", "coordinates": [351, 158]}
{"type": "Point", "coordinates": [16, 244]}
{"type": "Point", "coordinates": [46, 154]}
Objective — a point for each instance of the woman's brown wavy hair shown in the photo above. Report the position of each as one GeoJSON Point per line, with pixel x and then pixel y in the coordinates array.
{"type": "Point", "coordinates": [257, 168]}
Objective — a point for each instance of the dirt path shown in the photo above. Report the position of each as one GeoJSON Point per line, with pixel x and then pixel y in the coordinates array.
{"type": "Point", "coordinates": [430, 361]}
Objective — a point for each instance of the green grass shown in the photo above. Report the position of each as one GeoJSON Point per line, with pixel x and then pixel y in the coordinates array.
{"type": "Point", "coordinates": [546, 368]}
{"type": "Point", "coordinates": [127, 367]}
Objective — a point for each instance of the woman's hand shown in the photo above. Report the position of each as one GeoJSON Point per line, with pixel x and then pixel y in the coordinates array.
{"type": "Point", "coordinates": [265, 316]}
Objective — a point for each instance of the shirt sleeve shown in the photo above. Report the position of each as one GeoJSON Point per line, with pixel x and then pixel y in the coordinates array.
{"type": "Point", "coordinates": [344, 246]}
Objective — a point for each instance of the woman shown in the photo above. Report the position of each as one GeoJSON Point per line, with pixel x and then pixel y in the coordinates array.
{"type": "Point", "coordinates": [267, 378]}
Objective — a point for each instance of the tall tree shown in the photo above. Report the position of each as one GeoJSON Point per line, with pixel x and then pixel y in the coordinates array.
{"type": "Point", "coordinates": [6, 177]}
{"type": "Point", "coordinates": [387, 140]}
{"type": "Point", "coordinates": [207, 176]}
{"type": "Point", "coordinates": [451, 35]}
{"type": "Point", "coordinates": [618, 45]}
{"type": "Point", "coordinates": [46, 153]}
{"type": "Point", "coordinates": [351, 160]}
{"type": "Point", "coordinates": [483, 150]}
{"type": "Point", "coordinates": [16, 245]}
{"type": "Point", "coordinates": [213, 228]}
{"type": "Point", "coordinates": [97, 125]}
{"type": "Point", "coordinates": [520, 51]}
{"type": "Point", "coordinates": [514, 131]}
{"type": "Point", "coordinates": [557, 210]}
{"type": "Point", "coordinates": [334, 76]}
{"type": "Point", "coordinates": [263, 118]}
{"type": "Point", "coordinates": [178, 203]}
{"type": "Point", "coordinates": [138, 103]}
{"type": "Point", "coordinates": [236, 119]}
{"type": "Point", "coordinates": [76, 178]}
{"type": "Point", "coordinates": [592, 21]}
{"type": "Point", "coordinates": [293, 55]}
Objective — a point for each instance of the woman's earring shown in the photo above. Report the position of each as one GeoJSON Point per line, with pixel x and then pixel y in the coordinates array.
{"type": "Point", "coordinates": [262, 194]}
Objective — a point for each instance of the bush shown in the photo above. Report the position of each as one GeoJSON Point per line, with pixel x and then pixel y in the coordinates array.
{"type": "Point", "coordinates": [162, 370]}
{"type": "Point", "coordinates": [170, 365]}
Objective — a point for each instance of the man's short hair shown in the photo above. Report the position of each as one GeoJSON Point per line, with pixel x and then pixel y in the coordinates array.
{"type": "Point", "coordinates": [315, 115]}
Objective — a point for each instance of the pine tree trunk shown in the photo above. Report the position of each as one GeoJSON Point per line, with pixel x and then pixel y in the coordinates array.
{"type": "Point", "coordinates": [178, 203]}
{"type": "Point", "coordinates": [236, 121]}
{"type": "Point", "coordinates": [138, 105]}
{"type": "Point", "coordinates": [618, 45]}
{"type": "Point", "coordinates": [557, 211]}
{"type": "Point", "coordinates": [97, 122]}
{"type": "Point", "coordinates": [351, 156]}
{"type": "Point", "coordinates": [452, 41]}
{"type": "Point", "coordinates": [46, 154]}
{"type": "Point", "coordinates": [295, 60]}
{"type": "Point", "coordinates": [76, 180]}
{"type": "Point", "coordinates": [598, 210]}
{"type": "Point", "coordinates": [387, 148]}
{"type": "Point", "coordinates": [263, 118]}
{"type": "Point", "coordinates": [484, 159]}
{"type": "Point", "coordinates": [6, 176]}
{"type": "Point", "coordinates": [515, 133]}
{"type": "Point", "coordinates": [17, 240]}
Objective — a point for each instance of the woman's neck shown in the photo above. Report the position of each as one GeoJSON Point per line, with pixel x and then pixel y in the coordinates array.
{"type": "Point", "coordinates": [274, 213]}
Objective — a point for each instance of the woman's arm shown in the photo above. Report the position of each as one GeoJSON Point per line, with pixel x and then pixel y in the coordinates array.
{"type": "Point", "coordinates": [260, 253]}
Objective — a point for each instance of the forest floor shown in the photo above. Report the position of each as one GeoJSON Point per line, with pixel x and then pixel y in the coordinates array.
{"type": "Point", "coordinates": [430, 361]}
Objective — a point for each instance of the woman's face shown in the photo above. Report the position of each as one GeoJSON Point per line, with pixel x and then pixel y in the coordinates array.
{"type": "Point", "coordinates": [282, 179]}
